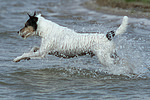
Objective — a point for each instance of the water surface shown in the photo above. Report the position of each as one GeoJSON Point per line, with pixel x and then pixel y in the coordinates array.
{"type": "Point", "coordinates": [76, 78]}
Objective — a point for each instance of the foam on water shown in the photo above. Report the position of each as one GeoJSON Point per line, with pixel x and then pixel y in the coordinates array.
{"type": "Point", "coordinates": [132, 59]}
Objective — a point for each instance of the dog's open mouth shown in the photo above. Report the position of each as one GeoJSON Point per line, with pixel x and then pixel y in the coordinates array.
{"type": "Point", "coordinates": [26, 35]}
{"type": "Point", "coordinates": [26, 32]}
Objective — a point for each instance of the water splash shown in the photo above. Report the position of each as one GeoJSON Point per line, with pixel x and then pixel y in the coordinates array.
{"type": "Point", "coordinates": [132, 59]}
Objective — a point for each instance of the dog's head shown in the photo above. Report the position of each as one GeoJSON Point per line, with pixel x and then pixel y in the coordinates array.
{"type": "Point", "coordinates": [30, 27]}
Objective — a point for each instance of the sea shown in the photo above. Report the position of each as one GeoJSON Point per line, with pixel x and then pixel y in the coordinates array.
{"type": "Point", "coordinates": [78, 78]}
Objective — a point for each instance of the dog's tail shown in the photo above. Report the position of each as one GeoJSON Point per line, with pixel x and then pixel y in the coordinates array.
{"type": "Point", "coordinates": [122, 28]}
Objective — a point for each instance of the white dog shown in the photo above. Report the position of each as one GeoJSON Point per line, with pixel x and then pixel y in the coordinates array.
{"type": "Point", "coordinates": [63, 42]}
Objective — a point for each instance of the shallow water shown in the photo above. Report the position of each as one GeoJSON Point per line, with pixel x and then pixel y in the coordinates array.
{"type": "Point", "coordinates": [76, 78]}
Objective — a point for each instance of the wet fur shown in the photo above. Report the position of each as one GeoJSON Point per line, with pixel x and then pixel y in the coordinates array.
{"type": "Point", "coordinates": [63, 42]}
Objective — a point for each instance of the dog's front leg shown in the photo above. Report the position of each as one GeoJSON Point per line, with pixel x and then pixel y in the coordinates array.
{"type": "Point", "coordinates": [35, 52]}
{"type": "Point", "coordinates": [34, 49]}
{"type": "Point", "coordinates": [21, 58]}
{"type": "Point", "coordinates": [28, 56]}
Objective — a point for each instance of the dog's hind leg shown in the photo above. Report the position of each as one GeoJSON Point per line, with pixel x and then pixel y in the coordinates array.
{"type": "Point", "coordinates": [115, 57]}
{"type": "Point", "coordinates": [105, 59]}
{"type": "Point", "coordinates": [103, 54]}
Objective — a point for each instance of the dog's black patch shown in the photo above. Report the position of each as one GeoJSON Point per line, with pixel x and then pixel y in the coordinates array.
{"type": "Point", "coordinates": [32, 21]}
{"type": "Point", "coordinates": [110, 35]}
{"type": "Point", "coordinates": [57, 54]}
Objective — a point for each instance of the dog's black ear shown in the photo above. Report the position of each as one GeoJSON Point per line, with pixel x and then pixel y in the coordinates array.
{"type": "Point", "coordinates": [34, 14]}
{"type": "Point", "coordinates": [29, 15]}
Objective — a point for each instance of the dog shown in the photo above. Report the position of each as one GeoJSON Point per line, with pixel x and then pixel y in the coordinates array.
{"type": "Point", "coordinates": [64, 42]}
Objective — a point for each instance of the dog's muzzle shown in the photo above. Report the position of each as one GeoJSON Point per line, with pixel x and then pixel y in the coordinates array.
{"type": "Point", "coordinates": [26, 32]}
{"type": "Point", "coordinates": [19, 33]}
{"type": "Point", "coordinates": [23, 35]}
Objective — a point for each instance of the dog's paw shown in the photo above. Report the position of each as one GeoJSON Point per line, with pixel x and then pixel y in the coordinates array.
{"type": "Point", "coordinates": [17, 59]}
{"type": "Point", "coordinates": [20, 58]}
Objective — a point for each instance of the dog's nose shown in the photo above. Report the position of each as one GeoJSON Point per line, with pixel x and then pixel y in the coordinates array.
{"type": "Point", "coordinates": [18, 32]}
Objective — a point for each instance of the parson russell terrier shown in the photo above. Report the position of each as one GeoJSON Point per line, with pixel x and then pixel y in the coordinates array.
{"type": "Point", "coordinates": [63, 42]}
